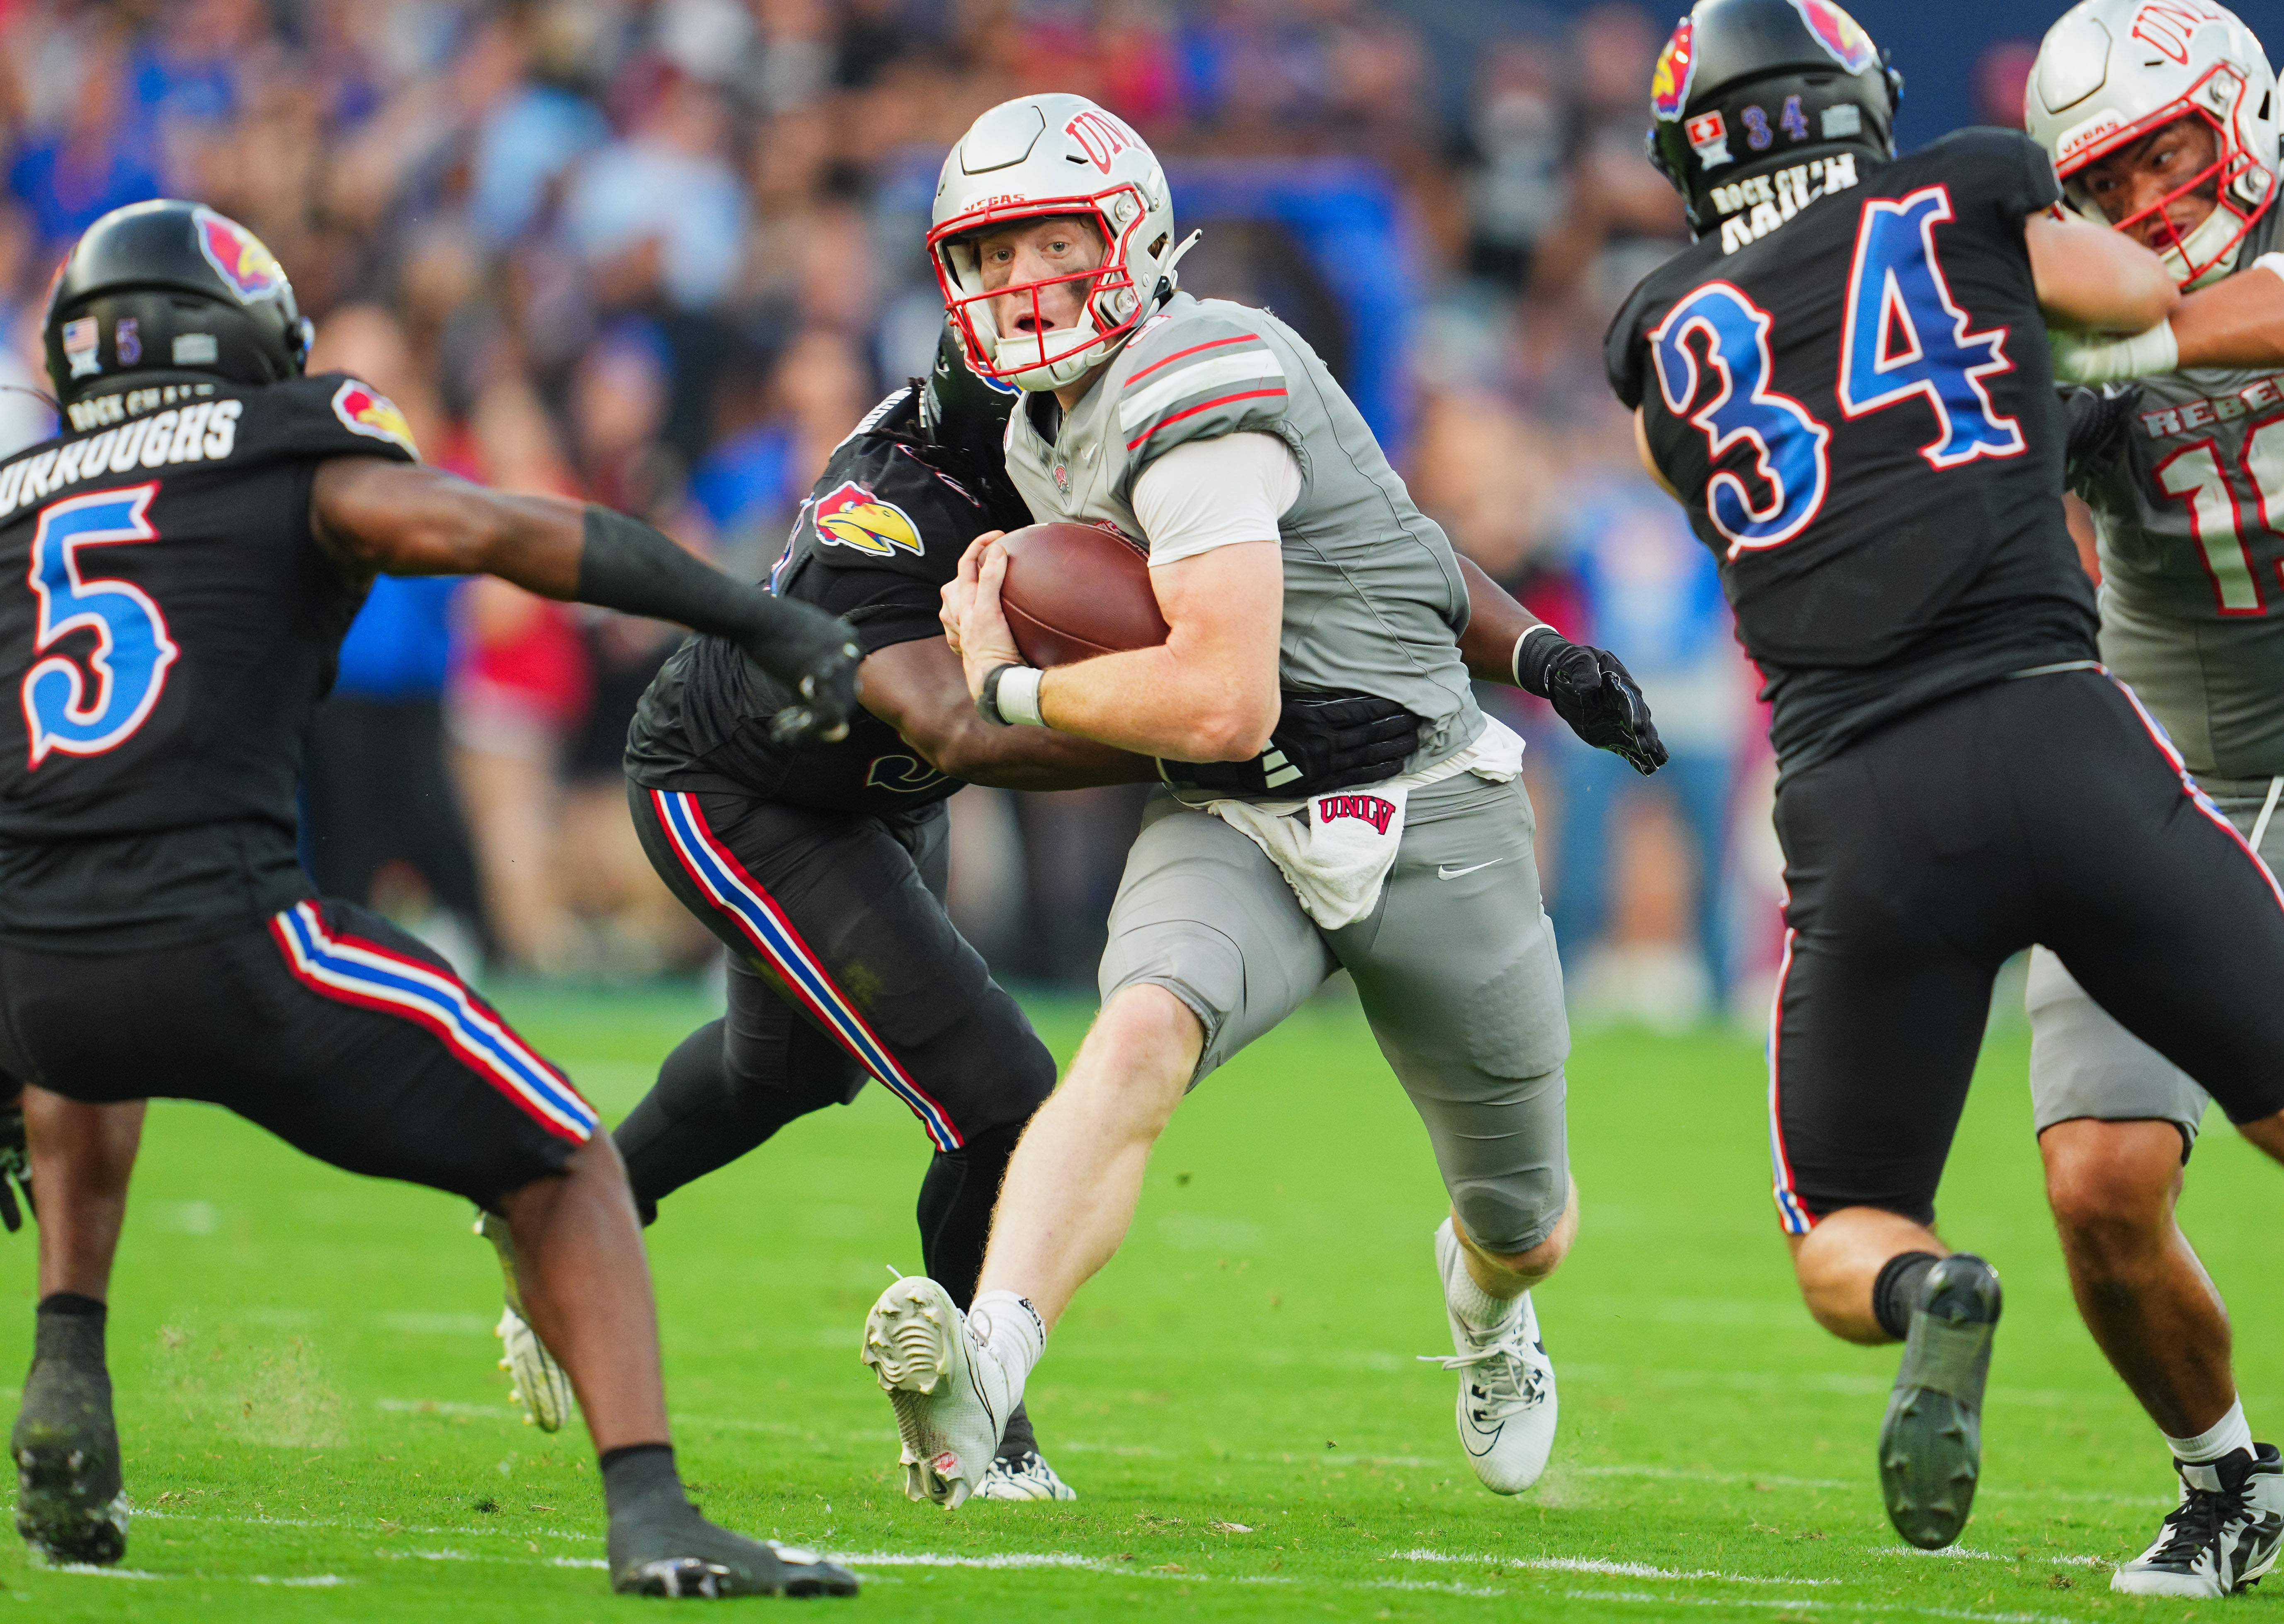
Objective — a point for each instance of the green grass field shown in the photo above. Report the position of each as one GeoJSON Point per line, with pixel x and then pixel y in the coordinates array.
{"type": "Point", "coordinates": [315, 1429]}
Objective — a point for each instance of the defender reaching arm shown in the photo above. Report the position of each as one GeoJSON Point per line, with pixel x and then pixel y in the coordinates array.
{"type": "Point", "coordinates": [374, 516]}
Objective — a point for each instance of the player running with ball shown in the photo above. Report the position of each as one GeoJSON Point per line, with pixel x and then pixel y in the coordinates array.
{"type": "Point", "coordinates": [1292, 567]}
{"type": "Point", "coordinates": [2161, 118]}
{"type": "Point", "coordinates": [1846, 381]}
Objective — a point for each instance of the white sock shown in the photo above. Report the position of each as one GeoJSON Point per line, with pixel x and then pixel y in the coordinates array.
{"type": "Point", "coordinates": [1476, 1307]}
{"type": "Point", "coordinates": [2218, 1442]}
{"type": "Point", "coordinates": [1012, 1328]}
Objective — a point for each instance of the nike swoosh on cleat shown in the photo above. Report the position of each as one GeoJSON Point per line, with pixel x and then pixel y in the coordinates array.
{"type": "Point", "coordinates": [1444, 871]}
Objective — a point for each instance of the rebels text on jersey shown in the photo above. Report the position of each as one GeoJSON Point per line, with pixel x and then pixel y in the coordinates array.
{"type": "Point", "coordinates": [1855, 402]}
{"type": "Point", "coordinates": [173, 626]}
{"type": "Point", "coordinates": [882, 531]}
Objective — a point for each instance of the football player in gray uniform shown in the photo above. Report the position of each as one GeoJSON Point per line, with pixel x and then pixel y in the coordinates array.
{"type": "Point", "coordinates": [1294, 571]}
{"type": "Point", "coordinates": [2161, 120]}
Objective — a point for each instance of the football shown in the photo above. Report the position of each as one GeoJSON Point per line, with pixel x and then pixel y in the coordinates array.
{"type": "Point", "coordinates": [1073, 591]}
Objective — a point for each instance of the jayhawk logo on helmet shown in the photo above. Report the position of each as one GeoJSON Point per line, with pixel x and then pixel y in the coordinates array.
{"type": "Point", "coordinates": [365, 411]}
{"type": "Point", "coordinates": [237, 256]}
{"type": "Point", "coordinates": [850, 515]}
{"type": "Point", "coordinates": [1669, 86]}
{"type": "Point", "coordinates": [1838, 33]}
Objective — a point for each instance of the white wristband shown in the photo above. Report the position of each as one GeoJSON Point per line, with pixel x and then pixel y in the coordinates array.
{"type": "Point", "coordinates": [1018, 697]}
{"type": "Point", "coordinates": [1514, 660]}
{"type": "Point", "coordinates": [2080, 359]}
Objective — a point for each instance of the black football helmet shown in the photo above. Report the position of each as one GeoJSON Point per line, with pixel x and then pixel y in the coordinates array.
{"type": "Point", "coordinates": [961, 412]}
{"type": "Point", "coordinates": [166, 292]}
{"type": "Point", "coordinates": [1747, 86]}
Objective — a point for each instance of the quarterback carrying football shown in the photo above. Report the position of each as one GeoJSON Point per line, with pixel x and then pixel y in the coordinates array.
{"type": "Point", "coordinates": [1292, 567]}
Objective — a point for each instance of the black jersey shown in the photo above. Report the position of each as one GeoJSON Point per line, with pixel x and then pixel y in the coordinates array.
{"type": "Point", "coordinates": [881, 531]}
{"type": "Point", "coordinates": [1849, 385]}
{"type": "Point", "coordinates": [175, 626]}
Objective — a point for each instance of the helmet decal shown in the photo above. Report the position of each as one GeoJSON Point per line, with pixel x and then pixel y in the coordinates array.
{"type": "Point", "coordinates": [366, 411]}
{"type": "Point", "coordinates": [80, 340]}
{"type": "Point", "coordinates": [1669, 86]}
{"type": "Point", "coordinates": [1100, 136]}
{"type": "Point", "coordinates": [237, 256]}
{"type": "Point", "coordinates": [1839, 33]}
{"type": "Point", "coordinates": [1709, 138]}
{"type": "Point", "coordinates": [851, 516]}
{"type": "Point", "coordinates": [2167, 26]}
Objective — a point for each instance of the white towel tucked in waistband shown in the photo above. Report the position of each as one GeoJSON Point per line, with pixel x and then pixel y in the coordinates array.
{"type": "Point", "coordinates": [1335, 850]}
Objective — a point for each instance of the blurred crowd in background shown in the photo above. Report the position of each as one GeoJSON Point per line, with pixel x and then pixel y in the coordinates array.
{"type": "Point", "coordinates": [663, 254]}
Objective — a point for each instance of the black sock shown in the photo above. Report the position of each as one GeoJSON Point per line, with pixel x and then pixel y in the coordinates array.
{"type": "Point", "coordinates": [638, 1472]}
{"type": "Point", "coordinates": [1899, 1290]}
{"type": "Point", "coordinates": [957, 1197]}
{"type": "Point", "coordinates": [1017, 1439]}
{"type": "Point", "coordinates": [70, 1329]}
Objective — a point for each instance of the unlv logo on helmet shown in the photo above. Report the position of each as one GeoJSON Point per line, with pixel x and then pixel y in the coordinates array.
{"type": "Point", "coordinates": [2167, 26]}
{"type": "Point", "coordinates": [237, 256]}
{"type": "Point", "coordinates": [1102, 137]}
{"type": "Point", "coordinates": [1669, 86]}
{"type": "Point", "coordinates": [367, 411]}
{"type": "Point", "coordinates": [1838, 33]}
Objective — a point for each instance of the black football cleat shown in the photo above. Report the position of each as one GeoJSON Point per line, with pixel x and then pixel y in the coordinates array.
{"type": "Point", "coordinates": [670, 1551]}
{"type": "Point", "coordinates": [1931, 1442]}
{"type": "Point", "coordinates": [69, 1507]}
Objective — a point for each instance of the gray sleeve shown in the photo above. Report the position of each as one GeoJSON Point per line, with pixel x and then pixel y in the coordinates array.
{"type": "Point", "coordinates": [1197, 380]}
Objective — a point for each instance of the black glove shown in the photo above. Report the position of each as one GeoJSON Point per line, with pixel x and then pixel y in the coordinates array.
{"type": "Point", "coordinates": [1323, 742]}
{"type": "Point", "coordinates": [2098, 420]}
{"type": "Point", "coordinates": [15, 1166]}
{"type": "Point", "coordinates": [1591, 689]}
{"type": "Point", "coordinates": [812, 654]}
{"type": "Point", "coordinates": [625, 565]}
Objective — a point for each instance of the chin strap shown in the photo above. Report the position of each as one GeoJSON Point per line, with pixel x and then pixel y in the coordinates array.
{"type": "Point", "coordinates": [1168, 278]}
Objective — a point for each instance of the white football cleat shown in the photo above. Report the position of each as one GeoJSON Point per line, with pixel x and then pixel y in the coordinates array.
{"type": "Point", "coordinates": [1027, 1477]}
{"type": "Point", "coordinates": [952, 1394]}
{"type": "Point", "coordinates": [541, 1387]}
{"type": "Point", "coordinates": [1507, 1408]}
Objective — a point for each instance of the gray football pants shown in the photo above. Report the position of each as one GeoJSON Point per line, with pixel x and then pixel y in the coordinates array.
{"type": "Point", "coordinates": [1455, 968]}
{"type": "Point", "coordinates": [2082, 1064]}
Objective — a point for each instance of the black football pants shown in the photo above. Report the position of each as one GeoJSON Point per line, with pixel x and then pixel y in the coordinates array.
{"type": "Point", "coordinates": [2047, 809]}
{"type": "Point", "coordinates": [843, 969]}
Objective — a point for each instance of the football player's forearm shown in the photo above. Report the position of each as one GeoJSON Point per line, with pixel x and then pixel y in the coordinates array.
{"type": "Point", "coordinates": [918, 688]}
{"type": "Point", "coordinates": [2236, 322]}
{"type": "Point", "coordinates": [2092, 278]}
{"type": "Point", "coordinates": [1033, 758]}
{"type": "Point", "coordinates": [1154, 702]}
{"type": "Point", "coordinates": [1495, 623]}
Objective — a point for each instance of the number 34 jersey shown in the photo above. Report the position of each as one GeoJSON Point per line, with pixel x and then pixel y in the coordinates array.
{"type": "Point", "coordinates": [167, 625]}
{"type": "Point", "coordinates": [2189, 509]}
{"type": "Point", "coordinates": [1848, 384]}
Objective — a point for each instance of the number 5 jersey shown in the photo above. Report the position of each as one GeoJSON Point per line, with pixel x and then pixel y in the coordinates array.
{"type": "Point", "coordinates": [1848, 384]}
{"type": "Point", "coordinates": [2189, 509]}
{"type": "Point", "coordinates": [167, 625]}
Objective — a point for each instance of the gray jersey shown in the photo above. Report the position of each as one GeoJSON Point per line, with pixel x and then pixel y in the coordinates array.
{"type": "Point", "coordinates": [1374, 601]}
{"type": "Point", "coordinates": [2190, 514]}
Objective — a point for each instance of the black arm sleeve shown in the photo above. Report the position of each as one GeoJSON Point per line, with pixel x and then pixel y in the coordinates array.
{"type": "Point", "coordinates": [627, 565]}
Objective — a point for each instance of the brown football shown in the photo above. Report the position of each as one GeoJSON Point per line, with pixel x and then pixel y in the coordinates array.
{"type": "Point", "coordinates": [1073, 591]}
